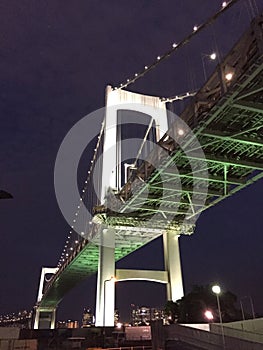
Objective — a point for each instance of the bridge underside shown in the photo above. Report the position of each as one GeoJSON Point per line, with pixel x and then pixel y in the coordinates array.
{"type": "Point", "coordinates": [226, 117]}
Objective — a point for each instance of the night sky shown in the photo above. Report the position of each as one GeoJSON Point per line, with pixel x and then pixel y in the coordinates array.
{"type": "Point", "coordinates": [56, 59]}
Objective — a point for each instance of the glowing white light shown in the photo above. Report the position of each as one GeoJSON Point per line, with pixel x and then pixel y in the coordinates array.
{"type": "Point", "coordinates": [195, 28]}
{"type": "Point", "coordinates": [229, 76]}
{"type": "Point", "coordinates": [136, 74]}
{"type": "Point", "coordinates": [224, 4]}
{"type": "Point", "coordinates": [74, 220]}
{"type": "Point", "coordinates": [119, 325]}
{"type": "Point", "coordinates": [180, 132]}
{"type": "Point", "coordinates": [78, 206]}
{"type": "Point", "coordinates": [216, 289]}
{"type": "Point", "coordinates": [128, 80]}
{"type": "Point", "coordinates": [82, 233]}
{"type": "Point", "coordinates": [71, 248]}
{"type": "Point", "coordinates": [209, 315]}
{"type": "Point", "coordinates": [86, 182]}
{"type": "Point", "coordinates": [76, 242]}
{"type": "Point", "coordinates": [174, 44]}
{"type": "Point", "coordinates": [83, 191]}
{"type": "Point", "coordinates": [76, 214]}
{"type": "Point", "coordinates": [213, 56]}
{"type": "Point", "coordinates": [158, 57]}
{"type": "Point", "coordinates": [90, 222]}
{"type": "Point", "coordinates": [146, 67]}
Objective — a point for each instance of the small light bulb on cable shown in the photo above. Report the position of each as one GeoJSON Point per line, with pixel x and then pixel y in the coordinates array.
{"type": "Point", "coordinates": [146, 67]}
{"type": "Point", "coordinates": [174, 45]}
{"type": "Point", "coordinates": [213, 56]}
{"type": "Point", "coordinates": [224, 4]}
{"type": "Point", "coordinates": [195, 28]}
{"type": "Point", "coordinates": [158, 58]}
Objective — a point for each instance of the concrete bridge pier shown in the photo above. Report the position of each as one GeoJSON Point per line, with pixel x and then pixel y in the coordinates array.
{"type": "Point", "coordinates": [105, 300]}
{"type": "Point", "coordinates": [45, 318]}
{"type": "Point", "coordinates": [172, 260]}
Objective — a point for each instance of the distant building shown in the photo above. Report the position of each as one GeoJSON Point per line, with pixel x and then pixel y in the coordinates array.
{"type": "Point", "coordinates": [88, 318]}
{"type": "Point", "coordinates": [116, 317]}
{"type": "Point", "coordinates": [141, 316]}
{"type": "Point", "coordinates": [67, 324]}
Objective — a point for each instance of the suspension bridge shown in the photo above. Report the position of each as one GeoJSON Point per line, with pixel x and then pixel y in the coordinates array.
{"type": "Point", "coordinates": [164, 194]}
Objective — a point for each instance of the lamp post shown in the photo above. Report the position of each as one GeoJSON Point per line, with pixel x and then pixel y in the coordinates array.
{"type": "Point", "coordinates": [217, 290]}
{"type": "Point", "coordinates": [211, 57]}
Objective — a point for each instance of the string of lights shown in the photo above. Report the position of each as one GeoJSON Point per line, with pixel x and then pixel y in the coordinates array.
{"type": "Point", "coordinates": [175, 47]}
{"type": "Point", "coordinates": [69, 247]}
{"type": "Point", "coordinates": [178, 97]}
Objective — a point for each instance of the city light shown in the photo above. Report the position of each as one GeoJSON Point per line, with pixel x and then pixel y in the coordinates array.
{"type": "Point", "coordinates": [209, 315]}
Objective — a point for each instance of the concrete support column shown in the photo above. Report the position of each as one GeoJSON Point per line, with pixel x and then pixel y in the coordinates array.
{"type": "Point", "coordinates": [105, 302]}
{"type": "Point", "coordinates": [45, 318]}
{"type": "Point", "coordinates": [36, 319]}
{"type": "Point", "coordinates": [53, 319]}
{"type": "Point", "coordinates": [172, 259]}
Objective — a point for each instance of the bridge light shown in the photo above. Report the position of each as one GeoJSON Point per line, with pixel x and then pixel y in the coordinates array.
{"type": "Point", "coordinates": [158, 58]}
{"type": "Point", "coordinates": [180, 132]}
{"type": "Point", "coordinates": [224, 4]}
{"type": "Point", "coordinates": [146, 67]}
{"type": "Point", "coordinates": [174, 45]}
{"type": "Point", "coordinates": [195, 28]}
{"type": "Point", "coordinates": [76, 242]}
{"type": "Point", "coordinates": [229, 76]}
{"type": "Point", "coordinates": [213, 56]}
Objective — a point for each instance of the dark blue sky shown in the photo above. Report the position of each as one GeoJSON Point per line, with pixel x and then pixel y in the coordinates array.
{"type": "Point", "coordinates": [56, 60]}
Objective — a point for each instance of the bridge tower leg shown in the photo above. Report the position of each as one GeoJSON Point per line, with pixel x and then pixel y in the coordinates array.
{"type": "Point", "coordinates": [105, 283]}
{"type": "Point", "coordinates": [172, 260]}
{"type": "Point", "coordinates": [111, 179]}
{"type": "Point", "coordinates": [44, 317]}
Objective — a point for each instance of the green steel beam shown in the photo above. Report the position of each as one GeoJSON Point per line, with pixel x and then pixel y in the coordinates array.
{"type": "Point", "coordinates": [228, 137]}
{"type": "Point", "coordinates": [249, 106]}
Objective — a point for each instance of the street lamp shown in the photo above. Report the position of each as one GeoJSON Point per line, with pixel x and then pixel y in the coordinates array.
{"type": "Point", "coordinates": [211, 57]}
{"type": "Point", "coordinates": [217, 290]}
